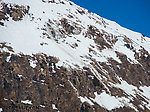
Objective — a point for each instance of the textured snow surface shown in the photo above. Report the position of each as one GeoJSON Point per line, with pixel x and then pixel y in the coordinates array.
{"type": "Point", "coordinates": [146, 93]}
{"type": "Point", "coordinates": [25, 37]}
{"type": "Point", "coordinates": [136, 37]}
{"type": "Point", "coordinates": [27, 102]}
{"type": "Point", "coordinates": [32, 63]}
{"type": "Point", "coordinates": [85, 99]}
{"type": "Point", "coordinates": [111, 102]}
{"type": "Point", "coordinates": [119, 46]}
{"type": "Point", "coordinates": [20, 76]}
{"type": "Point", "coordinates": [54, 107]}
{"type": "Point", "coordinates": [129, 89]}
{"type": "Point", "coordinates": [133, 91]}
{"type": "Point", "coordinates": [8, 58]}
{"type": "Point", "coordinates": [42, 106]}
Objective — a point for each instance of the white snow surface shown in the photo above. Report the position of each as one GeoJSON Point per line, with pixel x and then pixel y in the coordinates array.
{"type": "Point", "coordinates": [136, 37]}
{"type": "Point", "coordinates": [25, 36]}
{"type": "Point", "coordinates": [129, 89]}
{"type": "Point", "coordinates": [54, 107]}
{"type": "Point", "coordinates": [133, 91]}
{"type": "Point", "coordinates": [42, 106]}
{"type": "Point", "coordinates": [85, 99]}
{"type": "Point", "coordinates": [1, 109]}
{"type": "Point", "coordinates": [8, 58]}
{"type": "Point", "coordinates": [146, 94]}
{"type": "Point", "coordinates": [111, 102]}
{"type": "Point", "coordinates": [27, 102]}
{"type": "Point", "coordinates": [119, 46]}
{"type": "Point", "coordinates": [32, 63]}
{"type": "Point", "coordinates": [146, 91]}
{"type": "Point", "coordinates": [20, 76]}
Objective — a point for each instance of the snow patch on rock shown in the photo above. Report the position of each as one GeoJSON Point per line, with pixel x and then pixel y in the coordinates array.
{"type": "Point", "coordinates": [27, 102]}
{"type": "Point", "coordinates": [111, 102]}
{"type": "Point", "coordinates": [85, 99]}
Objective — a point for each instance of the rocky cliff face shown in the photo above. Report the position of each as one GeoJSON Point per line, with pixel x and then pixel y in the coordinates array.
{"type": "Point", "coordinates": [57, 56]}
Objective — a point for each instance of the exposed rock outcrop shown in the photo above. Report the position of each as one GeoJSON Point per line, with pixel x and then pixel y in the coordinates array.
{"type": "Point", "coordinates": [69, 60]}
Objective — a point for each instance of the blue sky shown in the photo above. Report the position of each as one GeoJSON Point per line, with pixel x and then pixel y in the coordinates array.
{"type": "Point", "coordinates": [131, 14]}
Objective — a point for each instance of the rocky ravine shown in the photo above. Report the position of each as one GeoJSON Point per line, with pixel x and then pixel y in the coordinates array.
{"type": "Point", "coordinates": [57, 56]}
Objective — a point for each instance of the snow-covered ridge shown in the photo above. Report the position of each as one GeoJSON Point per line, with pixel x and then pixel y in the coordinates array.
{"type": "Point", "coordinates": [64, 30]}
{"type": "Point", "coordinates": [31, 26]}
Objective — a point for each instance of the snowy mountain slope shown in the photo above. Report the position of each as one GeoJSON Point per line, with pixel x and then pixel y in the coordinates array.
{"type": "Point", "coordinates": [115, 57]}
{"type": "Point", "coordinates": [55, 12]}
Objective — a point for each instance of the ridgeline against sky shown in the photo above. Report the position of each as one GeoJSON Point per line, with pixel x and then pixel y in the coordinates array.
{"type": "Point", "coordinates": [132, 14]}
